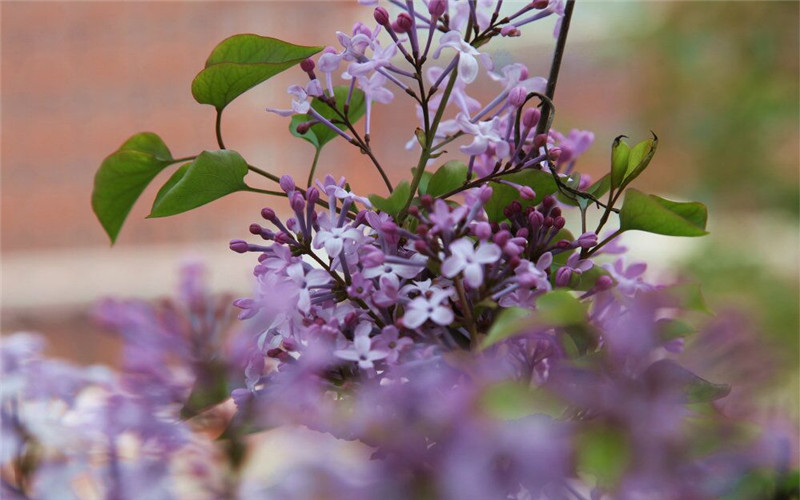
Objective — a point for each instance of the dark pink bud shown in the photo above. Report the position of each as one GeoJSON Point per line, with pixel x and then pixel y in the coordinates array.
{"type": "Point", "coordinates": [555, 212]}
{"type": "Point", "coordinates": [513, 262]}
{"type": "Point", "coordinates": [564, 244]}
{"type": "Point", "coordinates": [515, 206]}
{"type": "Point", "coordinates": [255, 229]}
{"type": "Point", "coordinates": [527, 193]}
{"type": "Point", "coordinates": [239, 246]}
{"type": "Point", "coordinates": [559, 222]}
{"type": "Point", "coordinates": [437, 8]}
{"type": "Point", "coordinates": [548, 222]}
{"type": "Point", "coordinates": [540, 4]}
{"type": "Point", "coordinates": [531, 117]}
{"type": "Point", "coordinates": [517, 96]}
{"type": "Point", "coordinates": [404, 23]}
{"type": "Point", "coordinates": [268, 214]}
{"type": "Point", "coordinates": [522, 233]}
{"type": "Point", "coordinates": [282, 238]}
{"type": "Point", "coordinates": [287, 184]}
{"type": "Point", "coordinates": [381, 16]}
{"type": "Point", "coordinates": [307, 65]}
{"type": "Point", "coordinates": [426, 201]}
{"type": "Point", "coordinates": [302, 128]}
{"type": "Point", "coordinates": [421, 246]}
{"type": "Point", "coordinates": [536, 219]}
{"type": "Point", "coordinates": [555, 153]}
{"type": "Point", "coordinates": [413, 211]}
{"type": "Point", "coordinates": [540, 140]}
{"type": "Point", "coordinates": [510, 30]}
{"type": "Point", "coordinates": [548, 202]}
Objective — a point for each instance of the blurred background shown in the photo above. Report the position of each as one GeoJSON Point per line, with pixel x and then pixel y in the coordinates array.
{"type": "Point", "coordinates": [717, 81]}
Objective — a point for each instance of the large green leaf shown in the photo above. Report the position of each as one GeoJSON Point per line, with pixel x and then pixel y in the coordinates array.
{"type": "Point", "coordinates": [541, 183]}
{"type": "Point", "coordinates": [656, 215]}
{"type": "Point", "coordinates": [448, 177]}
{"type": "Point", "coordinates": [241, 62]}
{"type": "Point", "coordinates": [604, 452]}
{"type": "Point", "coordinates": [123, 176]}
{"type": "Point", "coordinates": [395, 202]}
{"type": "Point", "coordinates": [319, 135]}
{"type": "Point", "coordinates": [212, 175]}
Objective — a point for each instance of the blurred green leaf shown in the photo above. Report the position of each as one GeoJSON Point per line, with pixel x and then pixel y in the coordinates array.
{"type": "Point", "coordinates": [656, 215]}
{"type": "Point", "coordinates": [604, 452]}
{"type": "Point", "coordinates": [669, 375]}
{"type": "Point", "coordinates": [512, 400]}
{"type": "Point", "coordinates": [508, 323]}
{"type": "Point", "coordinates": [319, 135]}
{"type": "Point", "coordinates": [123, 176]}
{"type": "Point", "coordinates": [241, 62]}
{"type": "Point", "coordinates": [212, 175]}
{"type": "Point", "coordinates": [560, 308]}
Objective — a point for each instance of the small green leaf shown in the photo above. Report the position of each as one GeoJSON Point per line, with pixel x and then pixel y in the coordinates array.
{"type": "Point", "coordinates": [507, 323]}
{"type": "Point", "coordinates": [423, 182]}
{"type": "Point", "coordinates": [669, 375]}
{"type": "Point", "coordinates": [448, 177]}
{"type": "Point", "coordinates": [319, 135]}
{"type": "Point", "coordinates": [560, 308]}
{"type": "Point", "coordinates": [619, 161]}
{"type": "Point", "coordinates": [541, 183]}
{"type": "Point", "coordinates": [241, 62]}
{"type": "Point", "coordinates": [656, 215]}
{"type": "Point", "coordinates": [212, 175]}
{"type": "Point", "coordinates": [605, 453]}
{"type": "Point", "coordinates": [639, 158]}
{"type": "Point", "coordinates": [123, 176]}
{"type": "Point", "coordinates": [671, 329]}
{"type": "Point", "coordinates": [395, 202]}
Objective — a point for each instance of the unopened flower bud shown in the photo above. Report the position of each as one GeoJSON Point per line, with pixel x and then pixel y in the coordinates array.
{"type": "Point", "coordinates": [548, 222]}
{"type": "Point", "coordinates": [522, 233]}
{"type": "Point", "coordinates": [531, 116]}
{"type": "Point", "coordinates": [515, 206]}
{"type": "Point", "coordinates": [482, 230]}
{"type": "Point", "coordinates": [516, 97]}
{"type": "Point", "coordinates": [421, 246]}
{"type": "Point", "coordinates": [502, 238]}
{"type": "Point", "coordinates": [287, 184]}
{"type": "Point", "coordinates": [302, 128]}
{"type": "Point", "coordinates": [563, 276]}
{"type": "Point", "coordinates": [527, 193]}
{"type": "Point", "coordinates": [307, 65]}
{"type": "Point", "coordinates": [437, 8]}
{"type": "Point", "coordinates": [297, 202]}
{"type": "Point", "coordinates": [426, 201]}
{"type": "Point", "coordinates": [540, 4]}
{"type": "Point", "coordinates": [381, 16]}
{"type": "Point", "coordinates": [282, 238]}
{"type": "Point", "coordinates": [485, 193]}
{"type": "Point", "coordinates": [372, 258]}
{"type": "Point", "coordinates": [510, 30]}
{"type": "Point", "coordinates": [555, 212]}
{"type": "Point", "coordinates": [268, 214]}
{"type": "Point", "coordinates": [514, 262]}
{"type": "Point", "coordinates": [603, 282]}
{"type": "Point", "coordinates": [312, 195]}
{"type": "Point", "coordinates": [554, 154]}
{"type": "Point", "coordinates": [540, 140]}
{"type": "Point", "coordinates": [239, 246]}
{"type": "Point", "coordinates": [422, 229]}
{"type": "Point", "coordinates": [564, 244]}
{"type": "Point", "coordinates": [559, 222]}
{"type": "Point", "coordinates": [548, 202]}
{"type": "Point", "coordinates": [413, 211]}
{"type": "Point", "coordinates": [536, 219]}
{"type": "Point", "coordinates": [587, 240]}
{"type": "Point", "coordinates": [404, 23]}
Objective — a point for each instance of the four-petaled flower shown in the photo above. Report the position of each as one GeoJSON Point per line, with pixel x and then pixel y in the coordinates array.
{"type": "Point", "coordinates": [464, 257]}
{"type": "Point", "coordinates": [467, 61]}
{"type": "Point", "coordinates": [424, 308]}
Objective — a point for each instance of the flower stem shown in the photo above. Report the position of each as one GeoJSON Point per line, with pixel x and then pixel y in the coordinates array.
{"type": "Point", "coordinates": [313, 167]}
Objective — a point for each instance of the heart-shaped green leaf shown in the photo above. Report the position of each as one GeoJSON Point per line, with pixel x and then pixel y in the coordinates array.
{"type": "Point", "coordinates": [319, 135]}
{"type": "Point", "coordinates": [395, 202]}
{"type": "Point", "coordinates": [448, 177]}
{"type": "Point", "coordinates": [123, 176]}
{"type": "Point", "coordinates": [541, 183]}
{"type": "Point", "coordinates": [656, 215]}
{"type": "Point", "coordinates": [212, 175]}
{"type": "Point", "coordinates": [639, 158]}
{"type": "Point", "coordinates": [241, 62]}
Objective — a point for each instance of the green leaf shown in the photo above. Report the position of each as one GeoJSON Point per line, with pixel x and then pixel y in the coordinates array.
{"type": "Point", "coordinates": [605, 453]}
{"type": "Point", "coordinates": [557, 308]}
{"type": "Point", "coordinates": [507, 323]}
{"type": "Point", "coordinates": [656, 215]}
{"type": "Point", "coordinates": [639, 158]}
{"type": "Point", "coordinates": [241, 62]}
{"type": "Point", "coordinates": [123, 176]}
{"type": "Point", "coordinates": [689, 296]}
{"type": "Point", "coordinates": [667, 374]}
{"type": "Point", "coordinates": [620, 152]}
{"type": "Point", "coordinates": [423, 182]}
{"type": "Point", "coordinates": [671, 329]}
{"type": "Point", "coordinates": [319, 135]}
{"type": "Point", "coordinates": [212, 175]}
{"type": "Point", "coordinates": [598, 189]}
{"type": "Point", "coordinates": [448, 177]}
{"type": "Point", "coordinates": [541, 183]}
{"type": "Point", "coordinates": [395, 202]}
{"type": "Point", "coordinates": [512, 400]}
{"type": "Point", "coordinates": [210, 389]}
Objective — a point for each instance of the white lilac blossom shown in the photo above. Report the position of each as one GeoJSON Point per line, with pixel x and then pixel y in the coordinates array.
{"type": "Point", "coordinates": [470, 260]}
{"type": "Point", "coordinates": [466, 53]}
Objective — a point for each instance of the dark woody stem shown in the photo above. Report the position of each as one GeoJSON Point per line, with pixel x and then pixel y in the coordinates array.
{"type": "Point", "coordinates": [555, 67]}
